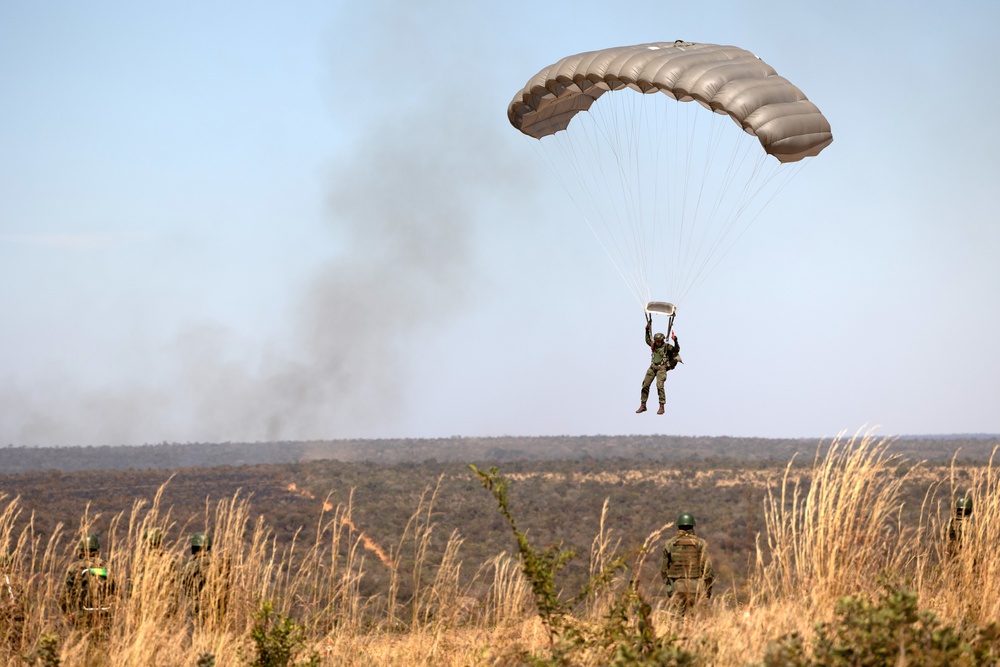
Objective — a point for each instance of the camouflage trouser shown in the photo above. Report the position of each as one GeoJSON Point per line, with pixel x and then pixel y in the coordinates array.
{"type": "Point", "coordinates": [97, 621]}
{"type": "Point", "coordinates": [661, 376]}
{"type": "Point", "coordinates": [684, 594]}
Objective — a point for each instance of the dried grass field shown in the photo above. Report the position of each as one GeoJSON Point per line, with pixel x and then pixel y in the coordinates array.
{"type": "Point", "coordinates": [447, 582]}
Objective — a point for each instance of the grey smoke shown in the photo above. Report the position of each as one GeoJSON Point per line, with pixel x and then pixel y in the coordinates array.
{"type": "Point", "coordinates": [405, 203]}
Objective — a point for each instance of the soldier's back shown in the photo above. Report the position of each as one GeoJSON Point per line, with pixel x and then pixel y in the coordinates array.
{"type": "Point", "coordinates": [88, 592]}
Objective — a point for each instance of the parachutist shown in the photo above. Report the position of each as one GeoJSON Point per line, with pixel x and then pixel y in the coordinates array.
{"type": "Point", "coordinates": [665, 357]}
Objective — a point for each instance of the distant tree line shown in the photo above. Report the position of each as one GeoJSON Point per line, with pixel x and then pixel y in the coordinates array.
{"type": "Point", "coordinates": [169, 456]}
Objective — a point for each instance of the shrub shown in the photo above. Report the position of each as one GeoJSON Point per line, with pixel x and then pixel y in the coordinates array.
{"type": "Point", "coordinates": [277, 639]}
{"type": "Point", "coordinates": [892, 630]}
{"type": "Point", "coordinates": [624, 636]}
{"type": "Point", "coordinates": [47, 653]}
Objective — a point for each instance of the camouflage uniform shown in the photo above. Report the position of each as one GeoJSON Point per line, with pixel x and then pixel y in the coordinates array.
{"type": "Point", "coordinates": [205, 585]}
{"type": "Point", "coordinates": [687, 570]}
{"type": "Point", "coordinates": [664, 357]}
{"type": "Point", "coordinates": [87, 588]}
{"type": "Point", "coordinates": [194, 575]}
{"type": "Point", "coordinates": [958, 525]}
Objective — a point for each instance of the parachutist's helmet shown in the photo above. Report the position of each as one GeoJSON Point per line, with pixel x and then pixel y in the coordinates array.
{"type": "Point", "coordinates": [963, 506]}
{"type": "Point", "coordinates": [685, 521]}
{"type": "Point", "coordinates": [658, 338]}
{"type": "Point", "coordinates": [90, 544]}
{"type": "Point", "coordinates": [153, 537]}
{"type": "Point", "coordinates": [201, 541]}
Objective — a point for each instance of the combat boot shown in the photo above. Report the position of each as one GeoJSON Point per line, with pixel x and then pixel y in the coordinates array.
{"type": "Point", "coordinates": [642, 407]}
{"type": "Point", "coordinates": [660, 411]}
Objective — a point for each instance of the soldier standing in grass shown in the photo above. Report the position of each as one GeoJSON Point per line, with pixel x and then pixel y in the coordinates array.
{"type": "Point", "coordinates": [959, 524]}
{"type": "Point", "coordinates": [87, 589]}
{"type": "Point", "coordinates": [195, 571]}
{"type": "Point", "coordinates": [205, 582]}
{"type": "Point", "coordinates": [665, 357]}
{"type": "Point", "coordinates": [687, 568]}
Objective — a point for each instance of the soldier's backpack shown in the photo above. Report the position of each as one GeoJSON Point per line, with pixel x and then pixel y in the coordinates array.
{"type": "Point", "coordinates": [673, 359]}
{"type": "Point", "coordinates": [95, 589]}
{"type": "Point", "coordinates": [685, 558]}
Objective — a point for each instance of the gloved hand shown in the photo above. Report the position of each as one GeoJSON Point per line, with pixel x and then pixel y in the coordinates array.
{"type": "Point", "coordinates": [673, 335]}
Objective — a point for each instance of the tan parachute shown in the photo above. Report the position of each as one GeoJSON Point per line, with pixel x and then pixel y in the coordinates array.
{"type": "Point", "coordinates": [726, 79]}
{"type": "Point", "coordinates": [665, 186]}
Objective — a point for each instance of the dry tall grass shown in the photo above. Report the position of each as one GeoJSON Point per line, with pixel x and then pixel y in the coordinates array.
{"type": "Point", "coordinates": [831, 530]}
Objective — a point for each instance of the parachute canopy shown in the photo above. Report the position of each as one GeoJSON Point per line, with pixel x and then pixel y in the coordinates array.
{"type": "Point", "coordinates": [666, 186]}
{"type": "Point", "coordinates": [726, 79]}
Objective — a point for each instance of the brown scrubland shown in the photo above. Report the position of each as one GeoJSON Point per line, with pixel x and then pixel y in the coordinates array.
{"type": "Point", "coordinates": [359, 583]}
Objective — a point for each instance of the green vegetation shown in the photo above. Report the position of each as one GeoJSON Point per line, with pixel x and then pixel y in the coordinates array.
{"type": "Point", "coordinates": [278, 640]}
{"type": "Point", "coordinates": [47, 653]}
{"type": "Point", "coordinates": [892, 630]}
{"type": "Point", "coordinates": [540, 568]}
{"type": "Point", "coordinates": [624, 635]}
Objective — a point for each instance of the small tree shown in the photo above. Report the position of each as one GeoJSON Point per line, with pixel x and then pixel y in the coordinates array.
{"type": "Point", "coordinates": [277, 639]}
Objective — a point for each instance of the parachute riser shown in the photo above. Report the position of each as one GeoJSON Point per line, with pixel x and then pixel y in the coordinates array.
{"type": "Point", "coordinates": [664, 308]}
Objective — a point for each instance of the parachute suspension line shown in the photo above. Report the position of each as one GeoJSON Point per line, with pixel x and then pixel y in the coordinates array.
{"type": "Point", "coordinates": [670, 153]}
{"type": "Point", "coordinates": [677, 191]}
{"type": "Point", "coordinates": [668, 133]}
{"type": "Point", "coordinates": [645, 226]}
{"type": "Point", "coordinates": [615, 139]}
{"type": "Point", "coordinates": [545, 150]}
{"type": "Point", "coordinates": [636, 122]}
{"type": "Point", "coordinates": [645, 232]}
{"type": "Point", "coordinates": [689, 230]}
{"type": "Point", "coordinates": [683, 247]}
{"type": "Point", "coordinates": [618, 138]}
{"type": "Point", "coordinates": [694, 244]}
{"type": "Point", "coordinates": [591, 173]}
{"type": "Point", "coordinates": [724, 222]}
{"type": "Point", "coordinates": [731, 204]}
{"type": "Point", "coordinates": [754, 187]}
{"type": "Point", "coordinates": [657, 128]}
{"type": "Point", "coordinates": [622, 146]}
{"type": "Point", "coordinates": [788, 172]}
{"type": "Point", "coordinates": [718, 227]}
{"type": "Point", "coordinates": [710, 181]}
{"type": "Point", "coordinates": [669, 172]}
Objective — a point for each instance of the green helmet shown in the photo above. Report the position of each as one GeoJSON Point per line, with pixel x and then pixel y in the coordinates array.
{"type": "Point", "coordinates": [685, 520]}
{"type": "Point", "coordinates": [963, 506]}
{"type": "Point", "coordinates": [658, 338]}
{"type": "Point", "coordinates": [153, 537]}
{"type": "Point", "coordinates": [201, 541]}
{"type": "Point", "coordinates": [90, 543]}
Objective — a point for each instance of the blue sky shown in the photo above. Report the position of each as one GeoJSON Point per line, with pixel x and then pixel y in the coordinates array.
{"type": "Point", "coordinates": [302, 220]}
